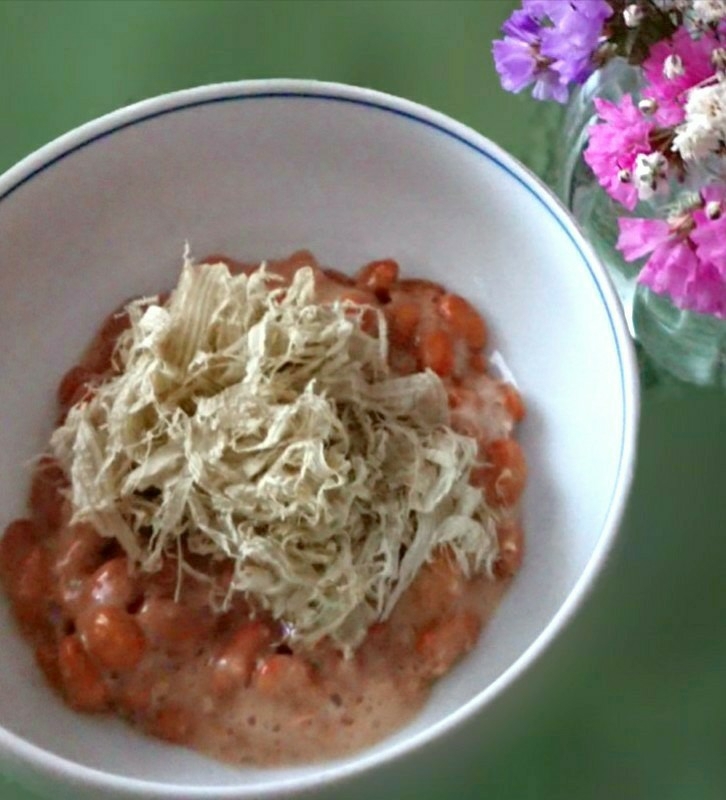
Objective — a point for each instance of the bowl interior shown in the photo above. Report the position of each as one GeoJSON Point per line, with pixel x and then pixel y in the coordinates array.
{"type": "Point", "coordinates": [255, 174]}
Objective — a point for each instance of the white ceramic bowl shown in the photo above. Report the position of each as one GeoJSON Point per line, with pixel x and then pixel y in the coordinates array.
{"type": "Point", "coordinates": [258, 169]}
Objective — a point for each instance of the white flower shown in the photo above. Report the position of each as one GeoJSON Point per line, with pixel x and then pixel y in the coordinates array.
{"type": "Point", "coordinates": [672, 5]}
{"type": "Point", "coordinates": [713, 209]}
{"type": "Point", "coordinates": [647, 105]}
{"type": "Point", "coordinates": [703, 132]}
{"type": "Point", "coordinates": [673, 67]}
{"type": "Point", "coordinates": [651, 174]}
{"type": "Point", "coordinates": [718, 58]}
{"type": "Point", "coordinates": [633, 15]}
{"type": "Point", "coordinates": [708, 12]}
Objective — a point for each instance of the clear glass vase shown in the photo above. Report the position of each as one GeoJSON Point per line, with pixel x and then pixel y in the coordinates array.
{"type": "Point", "coordinates": [672, 342]}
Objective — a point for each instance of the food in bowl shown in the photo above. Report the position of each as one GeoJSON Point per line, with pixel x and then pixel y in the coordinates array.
{"type": "Point", "coordinates": [280, 502]}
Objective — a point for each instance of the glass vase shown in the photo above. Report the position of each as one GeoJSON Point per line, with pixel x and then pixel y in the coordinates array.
{"type": "Point", "coordinates": [688, 346]}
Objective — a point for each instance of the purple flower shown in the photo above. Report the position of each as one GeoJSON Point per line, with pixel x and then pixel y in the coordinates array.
{"type": "Point", "coordinates": [575, 37]}
{"type": "Point", "coordinates": [519, 61]}
{"type": "Point", "coordinates": [559, 10]}
{"type": "Point", "coordinates": [599, 10]}
{"type": "Point", "coordinates": [553, 10]}
{"type": "Point", "coordinates": [521, 25]}
{"type": "Point", "coordinates": [520, 64]}
{"type": "Point", "coordinates": [549, 43]}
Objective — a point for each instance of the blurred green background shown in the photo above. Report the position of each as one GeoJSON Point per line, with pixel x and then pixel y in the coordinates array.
{"type": "Point", "coordinates": [631, 701]}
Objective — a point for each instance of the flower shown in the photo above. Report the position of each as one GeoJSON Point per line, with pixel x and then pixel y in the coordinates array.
{"type": "Point", "coordinates": [675, 267]}
{"type": "Point", "coordinates": [718, 59]}
{"type": "Point", "coordinates": [671, 133]}
{"type": "Point", "coordinates": [562, 13]}
{"type": "Point", "coordinates": [519, 61]}
{"type": "Point", "coordinates": [540, 10]}
{"type": "Point", "coordinates": [614, 146]}
{"type": "Point", "coordinates": [633, 15]}
{"type": "Point", "coordinates": [522, 25]}
{"type": "Point", "coordinates": [549, 43]}
{"type": "Point", "coordinates": [709, 235]}
{"type": "Point", "coordinates": [708, 12]}
{"type": "Point", "coordinates": [640, 236]}
{"type": "Point", "coordinates": [672, 5]}
{"type": "Point", "coordinates": [703, 131]}
{"type": "Point", "coordinates": [575, 37]}
{"type": "Point", "coordinates": [674, 66]}
{"type": "Point", "coordinates": [650, 175]}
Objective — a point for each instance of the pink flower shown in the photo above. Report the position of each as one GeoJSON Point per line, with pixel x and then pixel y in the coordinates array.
{"type": "Point", "coordinates": [670, 269]}
{"type": "Point", "coordinates": [674, 268]}
{"type": "Point", "coordinates": [707, 292]}
{"type": "Point", "coordinates": [614, 145]}
{"type": "Point", "coordinates": [696, 66]}
{"type": "Point", "coordinates": [641, 236]}
{"type": "Point", "coordinates": [709, 235]}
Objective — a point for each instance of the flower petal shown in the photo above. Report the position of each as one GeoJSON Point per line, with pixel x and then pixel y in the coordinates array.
{"type": "Point", "coordinates": [640, 236]}
{"type": "Point", "coordinates": [669, 269]}
{"type": "Point", "coordinates": [515, 63]}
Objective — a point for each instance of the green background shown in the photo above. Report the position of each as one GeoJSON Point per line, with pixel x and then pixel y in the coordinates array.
{"type": "Point", "coordinates": [631, 701]}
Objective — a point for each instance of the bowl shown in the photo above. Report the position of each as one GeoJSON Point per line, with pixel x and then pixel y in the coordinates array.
{"type": "Point", "coordinates": [258, 169]}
